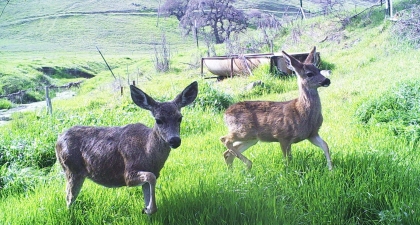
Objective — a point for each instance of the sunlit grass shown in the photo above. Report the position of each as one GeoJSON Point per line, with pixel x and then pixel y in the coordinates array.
{"type": "Point", "coordinates": [374, 180]}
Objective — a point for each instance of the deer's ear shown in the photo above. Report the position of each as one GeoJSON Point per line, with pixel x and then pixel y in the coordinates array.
{"type": "Point", "coordinates": [291, 62]}
{"type": "Point", "coordinates": [142, 99]}
{"type": "Point", "coordinates": [187, 96]}
{"type": "Point", "coordinates": [311, 57]}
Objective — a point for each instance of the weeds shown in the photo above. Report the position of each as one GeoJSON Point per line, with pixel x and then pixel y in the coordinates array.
{"type": "Point", "coordinates": [374, 181]}
{"type": "Point", "coordinates": [5, 104]}
{"type": "Point", "coordinates": [397, 109]}
{"type": "Point", "coordinates": [407, 25]}
{"type": "Point", "coordinates": [212, 99]}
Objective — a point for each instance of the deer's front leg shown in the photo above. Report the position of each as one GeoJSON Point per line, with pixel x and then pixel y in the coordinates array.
{"type": "Point", "coordinates": [317, 140]}
{"type": "Point", "coordinates": [148, 182]}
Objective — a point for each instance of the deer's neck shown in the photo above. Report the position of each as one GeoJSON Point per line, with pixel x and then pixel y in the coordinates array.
{"type": "Point", "coordinates": [308, 102]}
{"type": "Point", "coordinates": [156, 148]}
{"type": "Point", "coordinates": [156, 143]}
{"type": "Point", "coordinates": [157, 151]}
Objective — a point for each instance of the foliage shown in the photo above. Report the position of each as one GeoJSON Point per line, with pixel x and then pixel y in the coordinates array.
{"type": "Point", "coordinates": [375, 176]}
{"type": "Point", "coordinates": [5, 104]}
{"type": "Point", "coordinates": [399, 109]}
{"type": "Point", "coordinates": [212, 99]}
{"type": "Point", "coordinates": [267, 83]}
{"type": "Point", "coordinates": [220, 16]}
{"type": "Point", "coordinates": [22, 89]}
{"type": "Point", "coordinates": [407, 25]}
{"type": "Point", "coordinates": [11, 84]}
{"type": "Point", "coordinates": [175, 8]}
{"type": "Point", "coordinates": [15, 180]}
{"type": "Point", "coordinates": [269, 26]}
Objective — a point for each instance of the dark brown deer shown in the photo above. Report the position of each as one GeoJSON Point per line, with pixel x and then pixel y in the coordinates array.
{"type": "Point", "coordinates": [284, 122]}
{"type": "Point", "coordinates": [131, 155]}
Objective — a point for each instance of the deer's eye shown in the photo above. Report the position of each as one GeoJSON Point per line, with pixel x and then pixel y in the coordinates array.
{"type": "Point", "coordinates": [159, 121]}
{"type": "Point", "coordinates": [310, 74]}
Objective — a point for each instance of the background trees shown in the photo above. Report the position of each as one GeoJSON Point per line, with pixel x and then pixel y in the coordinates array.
{"type": "Point", "coordinates": [175, 8]}
{"type": "Point", "coordinates": [217, 17]}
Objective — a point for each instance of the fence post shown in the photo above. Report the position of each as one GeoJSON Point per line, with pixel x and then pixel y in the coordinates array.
{"type": "Point", "coordinates": [202, 61]}
{"type": "Point", "coordinates": [231, 67]}
{"type": "Point", "coordinates": [48, 100]}
{"type": "Point", "coordinates": [390, 8]}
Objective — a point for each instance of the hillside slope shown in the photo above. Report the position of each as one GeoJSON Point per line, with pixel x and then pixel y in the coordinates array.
{"type": "Point", "coordinates": [120, 26]}
{"type": "Point", "coordinates": [370, 124]}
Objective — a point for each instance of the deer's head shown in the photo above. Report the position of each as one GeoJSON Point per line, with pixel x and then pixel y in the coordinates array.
{"type": "Point", "coordinates": [306, 71]}
{"type": "Point", "coordinates": [167, 115]}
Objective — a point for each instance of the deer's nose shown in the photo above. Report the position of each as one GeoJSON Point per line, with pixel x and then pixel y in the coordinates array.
{"type": "Point", "coordinates": [326, 82]}
{"type": "Point", "coordinates": [174, 142]}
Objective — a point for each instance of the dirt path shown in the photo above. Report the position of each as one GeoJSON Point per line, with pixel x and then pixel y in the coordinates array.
{"type": "Point", "coordinates": [6, 115]}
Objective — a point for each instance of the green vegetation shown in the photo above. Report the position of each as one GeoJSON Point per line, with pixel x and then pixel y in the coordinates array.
{"type": "Point", "coordinates": [398, 110]}
{"type": "Point", "coordinates": [5, 104]}
{"type": "Point", "coordinates": [371, 123]}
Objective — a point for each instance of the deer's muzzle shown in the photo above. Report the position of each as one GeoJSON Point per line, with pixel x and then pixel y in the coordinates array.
{"type": "Point", "coordinates": [326, 82]}
{"type": "Point", "coordinates": [174, 142]}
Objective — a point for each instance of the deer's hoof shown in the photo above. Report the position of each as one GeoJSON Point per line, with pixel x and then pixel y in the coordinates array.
{"type": "Point", "coordinates": [249, 165]}
{"type": "Point", "coordinates": [229, 157]}
{"type": "Point", "coordinates": [148, 211]}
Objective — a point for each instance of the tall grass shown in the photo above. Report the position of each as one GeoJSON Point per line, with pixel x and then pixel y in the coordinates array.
{"type": "Point", "coordinates": [374, 180]}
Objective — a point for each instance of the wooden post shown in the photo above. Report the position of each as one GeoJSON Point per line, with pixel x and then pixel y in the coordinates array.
{"type": "Point", "coordinates": [196, 32]}
{"type": "Point", "coordinates": [202, 61]}
{"type": "Point", "coordinates": [390, 8]}
{"type": "Point", "coordinates": [158, 12]}
{"type": "Point", "coordinates": [128, 77]}
{"type": "Point", "coordinates": [48, 100]}
{"type": "Point", "coordinates": [231, 67]}
{"type": "Point", "coordinates": [271, 64]}
{"type": "Point", "coordinates": [134, 83]}
{"type": "Point", "coordinates": [301, 10]}
{"type": "Point", "coordinates": [122, 90]}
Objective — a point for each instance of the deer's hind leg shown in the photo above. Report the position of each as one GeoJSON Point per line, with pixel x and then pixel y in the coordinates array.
{"type": "Point", "coordinates": [235, 149]}
{"type": "Point", "coordinates": [73, 187]}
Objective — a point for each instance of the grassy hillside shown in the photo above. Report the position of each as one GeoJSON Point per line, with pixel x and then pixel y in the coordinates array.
{"type": "Point", "coordinates": [370, 123]}
{"type": "Point", "coordinates": [64, 35]}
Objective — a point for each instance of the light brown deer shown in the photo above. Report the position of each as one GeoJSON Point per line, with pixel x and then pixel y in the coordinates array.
{"type": "Point", "coordinates": [131, 155]}
{"type": "Point", "coordinates": [284, 122]}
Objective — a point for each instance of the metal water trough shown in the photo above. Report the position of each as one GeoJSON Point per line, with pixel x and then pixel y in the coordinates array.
{"type": "Point", "coordinates": [236, 65]}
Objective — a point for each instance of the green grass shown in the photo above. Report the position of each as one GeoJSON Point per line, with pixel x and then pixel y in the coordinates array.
{"type": "Point", "coordinates": [5, 104]}
{"type": "Point", "coordinates": [375, 177]}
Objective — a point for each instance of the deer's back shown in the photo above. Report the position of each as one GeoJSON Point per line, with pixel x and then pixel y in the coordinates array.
{"type": "Point", "coordinates": [271, 121]}
{"type": "Point", "coordinates": [104, 153]}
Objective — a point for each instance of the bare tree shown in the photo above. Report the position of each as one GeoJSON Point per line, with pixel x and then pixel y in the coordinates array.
{"type": "Point", "coordinates": [269, 25]}
{"type": "Point", "coordinates": [219, 16]}
{"type": "Point", "coordinates": [162, 56]}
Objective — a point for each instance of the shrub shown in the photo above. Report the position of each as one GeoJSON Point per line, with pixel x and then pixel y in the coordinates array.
{"type": "Point", "coordinates": [398, 109]}
{"type": "Point", "coordinates": [270, 83]}
{"type": "Point", "coordinates": [32, 96]}
{"type": "Point", "coordinates": [212, 99]}
{"type": "Point", "coordinates": [5, 104]}
{"type": "Point", "coordinates": [407, 27]}
{"type": "Point", "coordinates": [14, 179]}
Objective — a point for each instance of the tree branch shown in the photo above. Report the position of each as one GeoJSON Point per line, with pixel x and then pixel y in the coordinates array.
{"type": "Point", "coordinates": [4, 7]}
